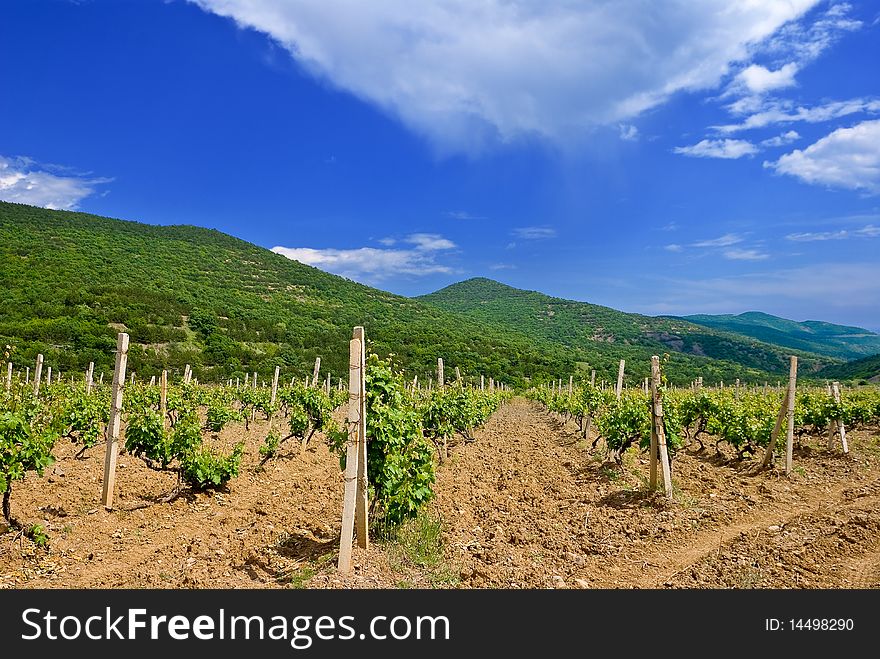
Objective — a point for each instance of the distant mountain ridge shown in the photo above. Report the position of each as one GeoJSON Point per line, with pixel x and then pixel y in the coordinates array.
{"type": "Point", "coordinates": [599, 334]}
{"type": "Point", "coordinates": [840, 341]}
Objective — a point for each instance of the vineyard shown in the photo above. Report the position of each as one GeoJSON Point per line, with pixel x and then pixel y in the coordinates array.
{"type": "Point", "coordinates": [241, 484]}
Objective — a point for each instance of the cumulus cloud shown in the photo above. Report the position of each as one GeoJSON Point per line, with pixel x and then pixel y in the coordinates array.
{"type": "Point", "coordinates": [758, 79]}
{"type": "Point", "coordinates": [24, 181]}
{"type": "Point", "coordinates": [467, 74]}
{"type": "Point", "coordinates": [846, 158]}
{"type": "Point", "coordinates": [373, 264]}
{"type": "Point", "coordinates": [782, 140]}
{"type": "Point", "coordinates": [726, 148]}
{"type": "Point", "coordinates": [534, 233]}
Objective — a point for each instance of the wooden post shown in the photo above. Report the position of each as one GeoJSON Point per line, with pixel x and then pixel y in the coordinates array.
{"type": "Point", "coordinates": [152, 380]}
{"type": "Point", "coordinates": [163, 398]}
{"type": "Point", "coordinates": [657, 413]}
{"type": "Point", "coordinates": [37, 374]}
{"type": "Point", "coordinates": [275, 384]}
{"type": "Point", "coordinates": [27, 374]}
{"type": "Point", "coordinates": [317, 370]}
{"type": "Point", "coordinates": [187, 374]}
{"type": "Point", "coordinates": [441, 381]}
{"type": "Point", "coordinates": [49, 375]}
{"type": "Point", "coordinates": [645, 386]}
{"type": "Point", "coordinates": [491, 384]}
{"type": "Point", "coordinates": [482, 381]}
{"type": "Point", "coordinates": [593, 378]}
{"type": "Point", "coordinates": [736, 390]}
{"type": "Point", "coordinates": [351, 455]}
{"type": "Point", "coordinates": [771, 445]}
{"type": "Point", "coordinates": [112, 428]}
{"type": "Point", "coordinates": [255, 380]}
{"type": "Point", "coordinates": [457, 376]}
{"type": "Point", "coordinates": [570, 385]}
{"type": "Point", "coordinates": [327, 385]}
{"type": "Point", "coordinates": [832, 423]}
{"type": "Point", "coordinates": [9, 376]}
{"type": "Point", "coordinates": [836, 389]}
{"type": "Point", "coordinates": [789, 436]}
{"type": "Point", "coordinates": [361, 525]}
{"type": "Point", "coordinates": [101, 379]}
{"type": "Point", "coordinates": [619, 388]}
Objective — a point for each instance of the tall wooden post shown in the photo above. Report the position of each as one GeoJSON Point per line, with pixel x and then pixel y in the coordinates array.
{"type": "Point", "coordinates": [792, 389]}
{"type": "Point", "coordinates": [836, 389]}
{"type": "Point", "coordinates": [593, 378]}
{"type": "Point", "coordinates": [27, 374]}
{"type": "Point", "coordinates": [163, 398]}
{"type": "Point", "coordinates": [659, 434]}
{"type": "Point", "coordinates": [112, 428]}
{"type": "Point", "coordinates": [492, 384]}
{"type": "Point", "coordinates": [317, 370]}
{"type": "Point", "coordinates": [360, 515]}
{"type": "Point", "coordinates": [457, 376]}
{"type": "Point", "coordinates": [832, 423]}
{"type": "Point", "coordinates": [275, 385]}
{"type": "Point", "coordinates": [482, 381]}
{"type": "Point", "coordinates": [619, 388]}
{"type": "Point", "coordinates": [49, 375]}
{"type": "Point", "coordinates": [570, 385]}
{"type": "Point", "coordinates": [352, 451]}
{"type": "Point", "coordinates": [9, 376]}
{"type": "Point", "coordinates": [37, 374]}
{"type": "Point", "coordinates": [441, 380]}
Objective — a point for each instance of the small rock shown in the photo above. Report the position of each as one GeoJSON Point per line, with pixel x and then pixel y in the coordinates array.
{"type": "Point", "coordinates": [774, 529]}
{"type": "Point", "coordinates": [558, 582]}
{"type": "Point", "coordinates": [582, 584]}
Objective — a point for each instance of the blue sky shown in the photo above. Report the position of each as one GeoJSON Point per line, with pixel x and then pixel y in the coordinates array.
{"type": "Point", "coordinates": [669, 157]}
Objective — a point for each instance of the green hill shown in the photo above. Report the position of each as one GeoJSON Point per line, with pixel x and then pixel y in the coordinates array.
{"type": "Point", "coordinates": [198, 296]}
{"type": "Point", "coordinates": [186, 294]}
{"type": "Point", "coordinates": [600, 335]}
{"type": "Point", "coordinates": [822, 338]}
{"type": "Point", "coordinates": [867, 368]}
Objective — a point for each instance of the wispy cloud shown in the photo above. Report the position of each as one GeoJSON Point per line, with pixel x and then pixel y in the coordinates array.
{"type": "Point", "coordinates": [726, 240]}
{"type": "Point", "coordinates": [25, 181]}
{"type": "Point", "coordinates": [745, 255]}
{"type": "Point", "coordinates": [628, 132]}
{"type": "Point", "coordinates": [782, 112]}
{"type": "Point", "coordinates": [869, 231]}
{"type": "Point", "coordinates": [468, 75]}
{"type": "Point", "coordinates": [502, 266]}
{"type": "Point", "coordinates": [846, 158]}
{"type": "Point", "coordinates": [673, 248]}
{"type": "Point", "coordinates": [726, 148]}
{"type": "Point", "coordinates": [372, 264]}
{"type": "Point", "coordinates": [534, 233]}
{"type": "Point", "coordinates": [463, 215]}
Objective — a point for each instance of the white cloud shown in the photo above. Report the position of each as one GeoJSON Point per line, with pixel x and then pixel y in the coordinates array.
{"type": "Point", "coordinates": [780, 112]}
{"type": "Point", "coordinates": [868, 231]}
{"type": "Point", "coordinates": [759, 80]}
{"type": "Point", "coordinates": [673, 248]}
{"type": "Point", "coordinates": [726, 240]}
{"type": "Point", "coordinates": [502, 266]}
{"type": "Point", "coordinates": [468, 74]}
{"type": "Point", "coordinates": [782, 140]}
{"type": "Point", "coordinates": [726, 148]}
{"type": "Point", "coordinates": [806, 42]}
{"type": "Point", "coordinates": [26, 182]}
{"type": "Point", "coordinates": [846, 158]}
{"type": "Point", "coordinates": [745, 255]}
{"type": "Point", "coordinates": [372, 264]}
{"type": "Point", "coordinates": [534, 233]}
{"type": "Point", "coordinates": [429, 242]}
{"type": "Point", "coordinates": [628, 132]}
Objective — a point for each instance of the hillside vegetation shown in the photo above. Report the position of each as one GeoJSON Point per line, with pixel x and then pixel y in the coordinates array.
{"type": "Point", "coordinates": [602, 335]}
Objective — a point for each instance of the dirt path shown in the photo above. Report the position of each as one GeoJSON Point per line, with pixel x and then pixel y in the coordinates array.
{"type": "Point", "coordinates": [526, 505]}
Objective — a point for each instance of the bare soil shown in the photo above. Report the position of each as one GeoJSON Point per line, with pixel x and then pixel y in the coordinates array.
{"type": "Point", "coordinates": [526, 505]}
